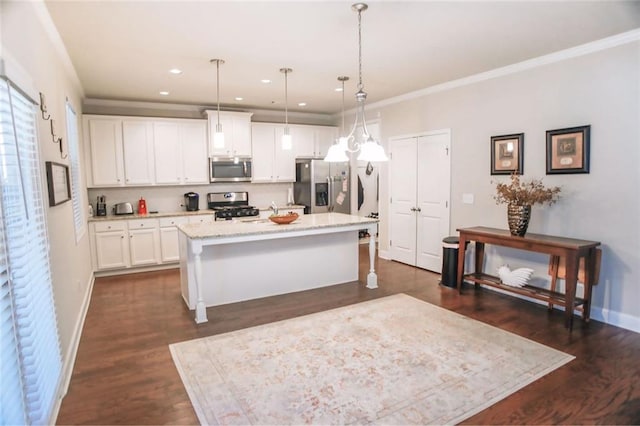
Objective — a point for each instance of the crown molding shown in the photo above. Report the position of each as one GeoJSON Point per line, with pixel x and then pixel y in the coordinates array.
{"type": "Point", "coordinates": [562, 55]}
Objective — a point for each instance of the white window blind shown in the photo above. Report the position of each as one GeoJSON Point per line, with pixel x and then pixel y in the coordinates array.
{"type": "Point", "coordinates": [74, 160]}
{"type": "Point", "coordinates": [30, 351]}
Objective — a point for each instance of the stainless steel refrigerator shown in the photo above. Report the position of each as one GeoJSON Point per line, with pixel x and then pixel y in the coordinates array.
{"type": "Point", "coordinates": [322, 187]}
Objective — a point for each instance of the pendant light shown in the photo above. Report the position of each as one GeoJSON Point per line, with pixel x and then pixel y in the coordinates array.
{"type": "Point", "coordinates": [369, 149]}
{"type": "Point", "coordinates": [218, 135]}
{"type": "Point", "coordinates": [287, 143]}
{"type": "Point", "coordinates": [338, 152]}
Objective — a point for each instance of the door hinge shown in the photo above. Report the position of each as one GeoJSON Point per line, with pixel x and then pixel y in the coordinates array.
{"type": "Point", "coordinates": [446, 204]}
{"type": "Point", "coordinates": [390, 243]}
{"type": "Point", "coordinates": [391, 156]}
{"type": "Point", "coordinates": [446, 150]}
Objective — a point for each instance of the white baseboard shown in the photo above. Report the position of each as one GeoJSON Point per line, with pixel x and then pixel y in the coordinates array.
{"type": "Point", "coordinates": [72, 350]}
{"type": "Point", "coordinates": [618, 319]}
{"type": "Point", "coordinates": [384, 254]}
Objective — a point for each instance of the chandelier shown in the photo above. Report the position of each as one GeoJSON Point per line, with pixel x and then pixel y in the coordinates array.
{"type": "Point", "coordinates": [369, 149]}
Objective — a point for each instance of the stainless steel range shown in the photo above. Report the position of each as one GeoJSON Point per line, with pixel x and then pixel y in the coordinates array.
{"type": "Point", "coordinates": [231, 205]}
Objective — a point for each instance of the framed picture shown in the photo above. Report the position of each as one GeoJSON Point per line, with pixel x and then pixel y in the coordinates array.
{"type": "Point", "coordinates": [568, 150]}
{"type": "Point", "coordinates": [58, 183]}
{"type": "Point", "coordinates": [507, 154]}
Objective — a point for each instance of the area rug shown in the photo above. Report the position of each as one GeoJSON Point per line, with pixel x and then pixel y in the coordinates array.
{"type": "Point", "coordinates": [394, 360]}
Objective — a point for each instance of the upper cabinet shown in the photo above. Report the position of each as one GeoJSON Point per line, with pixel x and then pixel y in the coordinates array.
{"type": "Point", "coordinates": [313, 141]}
{"type": "Point", "coordinates": [180, 152]}
{"type": "Point", "coordinates": [236, 127]}
{"type": "Point", "coordinates": [138, 151]}
{"type": "Point", "coordinates": [270, 162]}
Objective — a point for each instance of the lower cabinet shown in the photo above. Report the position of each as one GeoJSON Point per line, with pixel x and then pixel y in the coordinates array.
{"type": "Point", "coordinates": [169, 251]}
{"type": "Point", "coordinates": [133, 243]}
{"type": "Point", "coordinates": [111, 245]}
{"type": "Point", "coordinates": [144, 242]}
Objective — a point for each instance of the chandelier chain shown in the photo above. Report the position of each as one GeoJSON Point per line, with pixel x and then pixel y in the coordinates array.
{"type": "Point", "coordinates": [360, 85]}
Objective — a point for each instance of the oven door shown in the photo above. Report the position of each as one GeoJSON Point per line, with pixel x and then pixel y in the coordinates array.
{"type": "Point", "coordinates": [230, 169]}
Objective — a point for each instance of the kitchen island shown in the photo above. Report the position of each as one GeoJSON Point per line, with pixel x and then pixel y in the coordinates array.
{"type": "Point", "coordinates": [230, 261]}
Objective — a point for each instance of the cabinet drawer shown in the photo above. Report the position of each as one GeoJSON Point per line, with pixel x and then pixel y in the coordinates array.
{"type": "Point", "coordinates": [173, 221]}
{"type": "Point", "coordinates": [201, 218]}
{"type": "Point", "coordinates": [115, 225]}
{"type": "Point", "coordinates": [143, 224]}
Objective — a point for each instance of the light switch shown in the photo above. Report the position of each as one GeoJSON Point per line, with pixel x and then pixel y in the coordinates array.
{"type": "Point", "coordinates": [467, 198]}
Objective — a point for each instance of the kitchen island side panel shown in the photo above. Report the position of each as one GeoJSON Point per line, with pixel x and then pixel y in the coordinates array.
{"type": "Point", "coordinates": [249, 270]}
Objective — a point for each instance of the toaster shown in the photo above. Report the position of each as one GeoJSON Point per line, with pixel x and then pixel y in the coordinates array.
{"type": "Point", "coordinates": [123, 208]}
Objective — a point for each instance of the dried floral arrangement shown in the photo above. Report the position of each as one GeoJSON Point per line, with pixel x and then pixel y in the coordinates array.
{"type": "Point", "coordinates": [525, 193]}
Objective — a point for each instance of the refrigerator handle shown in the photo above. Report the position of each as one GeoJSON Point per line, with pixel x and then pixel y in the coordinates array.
{"type": "Point", "coordinates": [329, 193]}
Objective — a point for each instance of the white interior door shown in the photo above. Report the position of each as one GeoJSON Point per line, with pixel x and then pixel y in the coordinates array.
{"type": "Point", "coordinates": [403, 179]}
{"type": "Point", "coordinates": [433, 193]}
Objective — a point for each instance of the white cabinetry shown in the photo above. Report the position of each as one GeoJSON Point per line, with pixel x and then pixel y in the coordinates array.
{"type": "Point", "coordinates": [270, 162]}
{"type": "Point", "coordinates": [111, 245]}
{"type": "Point", "coordinates": [180, 152]}
{"type": "Point", "coordinates": [103, 136]}
{"type": "Point", "coordinates": [313, 141]}
{"type": "Point", "coordinates": [146, 151]}
{"type": "Point", "coordinates": [169, 251]}
{"type": "Point", "coordinates": [137, 147]}
{"type": "Point", "coordinates": [236, 127]}
{"type": "Point", "coordinates": [144, 242]}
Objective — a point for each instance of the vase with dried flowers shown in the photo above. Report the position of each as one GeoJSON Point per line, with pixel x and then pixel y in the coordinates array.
{"type": "Point", "coordinates": [519, 195]}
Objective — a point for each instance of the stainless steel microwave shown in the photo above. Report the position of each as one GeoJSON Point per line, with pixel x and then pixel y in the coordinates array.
{"type": "Point", "coordinates": [230, 169]}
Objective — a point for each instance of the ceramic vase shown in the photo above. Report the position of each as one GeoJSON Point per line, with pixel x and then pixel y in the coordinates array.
{"type": "Point", "coordinates": [518, 218]}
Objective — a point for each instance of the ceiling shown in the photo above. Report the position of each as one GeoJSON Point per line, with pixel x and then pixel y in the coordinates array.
{"type": "Point", "coordinates": [124, 49]}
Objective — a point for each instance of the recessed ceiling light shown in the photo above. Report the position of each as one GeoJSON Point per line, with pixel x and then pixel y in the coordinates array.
{"type": "Point", "coordinates": [239, 98]}
{"type": "Point", "coordinates": [266, 81]}
{"type": "Point", "coordinates": [302, 104]}
{"type": "Point", "coordinates": [175, 71]}
{"type": "Point", "coordinates": [338, 89]}
{"type": "Point", "coordinates": [164, 93]}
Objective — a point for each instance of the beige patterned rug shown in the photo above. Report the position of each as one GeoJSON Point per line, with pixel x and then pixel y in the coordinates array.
{"type": "Point", "coordinates": [394, 360]}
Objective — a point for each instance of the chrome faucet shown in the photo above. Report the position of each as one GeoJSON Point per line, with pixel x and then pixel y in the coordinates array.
{"type": "Point", "coordinates": [274, 208]}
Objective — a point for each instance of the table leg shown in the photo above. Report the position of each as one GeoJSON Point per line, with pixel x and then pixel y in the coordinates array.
{"type": "Point", "coordinates": [571, 281]}
{"type": "Point", "coordinates": [372, 278]}
{"type": "Point", "coordinates": [479, 259]}
{"type": "Point", "coordinates": [461, 252]}
{"type": "Point", "coordinates": [589, 279]}
{"type": "Point", "coordinates": [201, 309]}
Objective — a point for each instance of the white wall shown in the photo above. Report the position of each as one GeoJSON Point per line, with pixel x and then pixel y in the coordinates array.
{"type": "Point", "coordinates": [26, 40]}
{"type": "Point", "coordinates": [600, 89]}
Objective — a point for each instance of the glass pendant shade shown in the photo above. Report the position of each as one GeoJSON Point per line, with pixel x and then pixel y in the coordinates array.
{"type": "Point", "coordinates": [287, 143]}
{"type": "Point", "coordinates": [336, 154]}
{"type": "Point", "coordinates": [371, 151]}
{"type": "Point", "coordinates": [218, 137]}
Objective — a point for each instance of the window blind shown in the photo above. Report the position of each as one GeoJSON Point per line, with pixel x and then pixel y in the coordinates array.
{"type": "Point", "coordinates": [31, 360]}
{"type": "Point", "coordinates": [74, 161]}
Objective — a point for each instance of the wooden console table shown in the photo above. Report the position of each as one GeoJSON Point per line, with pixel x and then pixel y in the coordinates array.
{"type": "Point", "coordinates": [568, 248]}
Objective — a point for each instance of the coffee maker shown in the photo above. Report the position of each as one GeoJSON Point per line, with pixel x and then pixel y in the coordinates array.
{"type": "Point", "coordinates": [101, 206]}
{"type": "Point", "coordinates": [192, 201]}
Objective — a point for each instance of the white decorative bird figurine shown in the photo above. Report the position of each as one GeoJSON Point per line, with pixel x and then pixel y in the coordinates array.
{"type": "Point", "coordinates": [516, 278]}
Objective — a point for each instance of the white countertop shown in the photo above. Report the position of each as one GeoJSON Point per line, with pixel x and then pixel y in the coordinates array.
{"type": "Point", "coordinates": [284, 208]}
{"type": "Point", "coordinates": [245, 227]}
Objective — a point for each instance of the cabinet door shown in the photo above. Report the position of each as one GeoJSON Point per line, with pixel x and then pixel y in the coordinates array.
{"type": "Point", "coordinates": [167, 152]}
{"type": "Point", "coordinates": [111, 250]}
{"type": "Point", "coordinates": [242, 135]}
{"type": "Point", "coordinates": [144, 246]}
{"type": "Point", "coordinates": [325, 136]}
{"type": "Point", "coordinates": [195, 162]}
{"type": "Point", "coordinates": [302, 138]}
{"type": "Point", "coordinates": [284, 161]}
{"type": "Point", "coordinates": [137, 143]}
{"type": "Point", "coordinates": [262, 140]}
{"type": "Point", "coordinates": [169, 244]}
{"type": "Point", "coordinates": [105, 152]}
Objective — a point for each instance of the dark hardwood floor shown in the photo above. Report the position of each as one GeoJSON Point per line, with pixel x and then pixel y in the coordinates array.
{"type": "Point", "coordinates": [124, 373]}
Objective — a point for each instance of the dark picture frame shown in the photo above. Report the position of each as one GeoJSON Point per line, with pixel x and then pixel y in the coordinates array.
{"type": "Point", "coordinates": [507, 154]}
{"type": "Point", "coordinates": [568, 150]}
{"type": "Point", "coordinates": [58, 183]}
